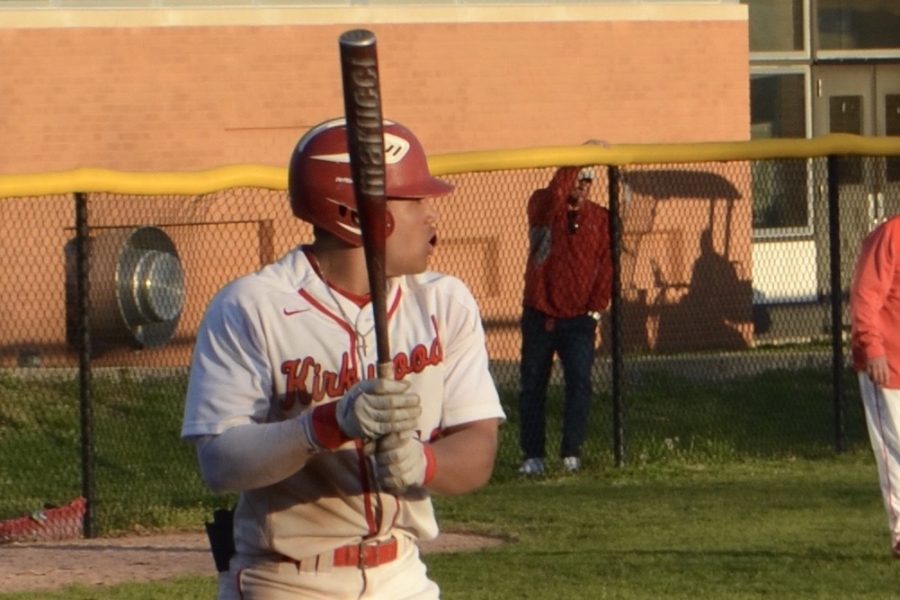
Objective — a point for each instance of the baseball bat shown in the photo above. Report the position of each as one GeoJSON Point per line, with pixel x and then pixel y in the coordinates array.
{"type": "Point", "coordinates": [365, 142]}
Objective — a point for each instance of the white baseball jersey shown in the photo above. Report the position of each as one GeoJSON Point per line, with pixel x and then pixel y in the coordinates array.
{"type": "Point", "coordinates": [277, 342]}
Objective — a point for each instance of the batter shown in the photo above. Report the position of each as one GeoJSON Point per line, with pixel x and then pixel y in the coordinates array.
{"type": "Point", "coordinates": [284, 407]}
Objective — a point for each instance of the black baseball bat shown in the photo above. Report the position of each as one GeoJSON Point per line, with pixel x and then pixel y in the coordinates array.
{"type": "Point", "coordinates": [365, 141]}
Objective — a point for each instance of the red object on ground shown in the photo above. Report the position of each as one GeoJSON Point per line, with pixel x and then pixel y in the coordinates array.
{"type": "Point", "coordinates": [51, 523]}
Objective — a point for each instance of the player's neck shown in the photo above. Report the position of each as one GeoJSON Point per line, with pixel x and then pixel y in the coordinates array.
{"type": "Point", "coordinates": [342, 266]}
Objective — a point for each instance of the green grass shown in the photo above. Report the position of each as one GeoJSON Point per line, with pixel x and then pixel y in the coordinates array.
{"type": "Point", "coordinates": [779, 414]}
{"type": "Point", "coordinates": [787, 529]}
{"type": "Point", "coordinates": [731, 489]}
{"type": "Point", "coordinates": [793, 529]}
{"type": "Point", "coordinates": [176, 589]}
{"type": "Point", "coordinates": [145, 476]}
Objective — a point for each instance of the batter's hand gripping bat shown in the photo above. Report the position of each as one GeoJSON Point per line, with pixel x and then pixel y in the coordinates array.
{"type": "Point", "coordinates": [365, 141]}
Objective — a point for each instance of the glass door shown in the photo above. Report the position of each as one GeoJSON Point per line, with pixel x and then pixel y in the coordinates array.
{"type": "Point", "coordinates": [887, 122]}
{"type": "Point", "coordinates": [861, 100]}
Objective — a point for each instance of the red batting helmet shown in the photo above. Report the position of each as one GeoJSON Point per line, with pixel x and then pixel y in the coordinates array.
{"type": "Point", "coordinates": [321, 185]}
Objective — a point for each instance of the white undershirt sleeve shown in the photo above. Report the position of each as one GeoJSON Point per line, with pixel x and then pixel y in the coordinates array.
{"type": "Point", "coordinates": [255, 455]}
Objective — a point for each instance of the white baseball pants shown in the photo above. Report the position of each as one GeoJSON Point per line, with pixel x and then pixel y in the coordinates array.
{"type": "Point", "coordinates": [404, 578]}
{"type": "Point", "coordinates": [883, 421]}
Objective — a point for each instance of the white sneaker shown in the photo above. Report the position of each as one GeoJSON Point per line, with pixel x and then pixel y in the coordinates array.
{"type": "Point", "coordinates": [571, 464]}
{"type": "Point", "coordinates": [532, 466]}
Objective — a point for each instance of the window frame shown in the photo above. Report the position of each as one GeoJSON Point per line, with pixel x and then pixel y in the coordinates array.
{"type": "Point", "coordinates": [812, 27]}
{"type": "Point", "coordinates": [804, 53]}
{"type": "Point", "coordinates": [804, 231]}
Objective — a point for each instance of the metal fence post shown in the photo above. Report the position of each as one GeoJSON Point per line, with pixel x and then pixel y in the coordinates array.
{"type": "Point", "coordinates": [837, 302]}
{"type": "Point", "coordinates": [82, 266]}
{"type": "Point", "coordinates": [615, 237]}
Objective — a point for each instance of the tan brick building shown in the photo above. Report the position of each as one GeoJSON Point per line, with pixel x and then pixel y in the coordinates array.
{"type": "Point", "coordinates": [186, 89]}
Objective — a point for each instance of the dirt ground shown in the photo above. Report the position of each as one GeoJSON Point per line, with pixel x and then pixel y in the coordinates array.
{"type": "Point", "coordinates": [52, 565]}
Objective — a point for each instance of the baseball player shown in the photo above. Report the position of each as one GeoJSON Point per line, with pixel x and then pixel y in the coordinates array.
{"type": "Point", "coordinates": [284, 406]}
{"type": "Point", "coordinates": [875, 344]}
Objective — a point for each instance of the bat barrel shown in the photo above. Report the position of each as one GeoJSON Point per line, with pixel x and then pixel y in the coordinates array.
{"type": "Point", "coordinates": [365, 142]}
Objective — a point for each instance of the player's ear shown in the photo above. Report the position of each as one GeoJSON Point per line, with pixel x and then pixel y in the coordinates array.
{"type": "Point", "coordinates": [388, 223]}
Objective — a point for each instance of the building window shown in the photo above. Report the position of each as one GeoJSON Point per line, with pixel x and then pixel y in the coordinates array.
{"type": "Point", "coordinates": [776, 25]}
{"type": "Point", "coordinates": [781, 202]}
{"type": "Point", "coordinates": [858, 24]}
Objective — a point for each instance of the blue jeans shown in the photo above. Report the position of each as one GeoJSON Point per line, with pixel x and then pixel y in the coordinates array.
{"type": "Point", "coordinates": [573, 341]}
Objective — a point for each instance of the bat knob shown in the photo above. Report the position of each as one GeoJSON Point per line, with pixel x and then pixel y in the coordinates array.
{"type": "Point", "coordinates": [357, 38]}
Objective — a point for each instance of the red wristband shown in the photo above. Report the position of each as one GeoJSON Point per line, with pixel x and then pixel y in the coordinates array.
{"type": "Point", "coordinates": [430, 463]}
{"type": "Point", "coordinates": [325, 426]}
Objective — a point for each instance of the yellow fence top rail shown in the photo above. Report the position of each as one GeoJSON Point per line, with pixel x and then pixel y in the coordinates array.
{"type": "Point", "coordinates": [91, 180]}
{"type": "Point", "coordinates": [146, 184]}
{"type": "Point", "coordinates": [644, 154]}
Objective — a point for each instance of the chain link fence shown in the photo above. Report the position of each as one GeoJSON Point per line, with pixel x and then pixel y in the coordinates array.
{"type": "Point", "coordinates": [725, 339]}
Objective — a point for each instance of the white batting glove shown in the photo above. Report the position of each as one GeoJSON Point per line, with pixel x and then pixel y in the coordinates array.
{"type": "Point", "coordinates": [402, 462]}
{"type": "Point", "coordinates": [375, 407]}
{"type": "Point", "coordinates": [370, 409]}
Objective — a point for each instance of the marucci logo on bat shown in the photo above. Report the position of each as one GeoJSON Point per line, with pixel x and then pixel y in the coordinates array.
{"type": "Point", "coordinates": [395, 148]}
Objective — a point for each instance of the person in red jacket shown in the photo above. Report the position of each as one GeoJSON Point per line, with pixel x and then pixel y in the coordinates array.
{"type": "Point", "coordinates": [875, 337]}
{"type": "Point", "coordinates": [568, 282]}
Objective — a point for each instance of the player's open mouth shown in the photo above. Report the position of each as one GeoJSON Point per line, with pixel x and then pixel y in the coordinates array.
{"type": "Point", "coordinates": [433, 241]}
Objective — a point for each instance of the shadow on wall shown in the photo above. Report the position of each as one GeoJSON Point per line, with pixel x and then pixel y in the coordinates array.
{"type": "Point", "coordinates": [669, 308]}
{"type": "Point", "coordinates": [715, 299]}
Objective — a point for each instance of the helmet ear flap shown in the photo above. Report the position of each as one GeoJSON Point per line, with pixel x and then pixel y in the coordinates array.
{"type": "Point", "coordinates": [388, 221]}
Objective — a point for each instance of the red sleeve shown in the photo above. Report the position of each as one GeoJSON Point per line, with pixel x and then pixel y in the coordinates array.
{"type": "Point", "coordinates": [546, 202]}
{"type": "Point", "coordinates": [325, 426]}
{"type": "Point", "coordinates": [872, 280]}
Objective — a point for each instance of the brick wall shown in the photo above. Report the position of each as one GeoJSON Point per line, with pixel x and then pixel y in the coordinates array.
{"type": "Point", "coordinates": [165, 91]}
{"type": "Point", "coordinates": [193, 97]}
